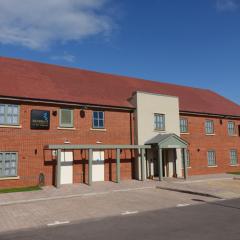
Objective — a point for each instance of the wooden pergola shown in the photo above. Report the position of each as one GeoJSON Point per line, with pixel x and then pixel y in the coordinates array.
{"type": "Point", "coordinates": [90, 148]}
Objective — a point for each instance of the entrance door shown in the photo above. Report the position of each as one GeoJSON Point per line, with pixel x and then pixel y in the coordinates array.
{"type": "Point", "coordinates": [98, 166]}
{"type": "Point", "coordinates": [66, 167]}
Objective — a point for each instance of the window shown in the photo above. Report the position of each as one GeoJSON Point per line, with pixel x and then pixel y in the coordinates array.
{"type": "Point", "coordinates": [233, 157]}
{"type": "Point", "coordinates": [188, 159]}
{"type": "Point", "coordinates": [209, 127]}
{"type": "Point", "coordinates": [9, 114]}
{"type": "Point", "coordinates": [66, 118]}
{"type": "Point", "coordinates": [98, 119]}
{"type": "Point", "coordinates": [8, 164]}
{"type": "Point", "coordinates": [159, 121]}
{"type": "Point", "coordinates": [183, 125]}
{"type": "Point", "coordinates": [231, 128]}
{"type": "Point", "coordinates": [211, 158]}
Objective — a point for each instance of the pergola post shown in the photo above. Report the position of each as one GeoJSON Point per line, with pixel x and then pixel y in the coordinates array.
{"type": "Point", "coordinates": [90, 157]}
{"type": "Point", "coordinates": [58, 170]}
{"type": "Point", "coordinates": [143, 169]}
{"type": "Point", "coordinates": [185, 162]}
{"type": "Point", "coordinates": [160, 167]}
{"type": "Point", "coordinates": [118, 165]}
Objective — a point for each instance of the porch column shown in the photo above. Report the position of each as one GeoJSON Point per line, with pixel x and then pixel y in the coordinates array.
{"type": "Point", "coordinates": [118, 165]}
{"type": "Point", "coordinates": [185, 162]}
{"type": "Point", "coordinates": [143, 169]}
{"type": "Point", "coordinates": [58, 170]}
{"type": "Point", "coordinates": [160, 170]}
{"type": "Point", "coordinates": [90, 157]}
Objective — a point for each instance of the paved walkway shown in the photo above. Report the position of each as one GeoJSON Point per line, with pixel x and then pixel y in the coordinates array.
{"type": "Point", "coordinates": [221, 185]}
{"type": "Point", "coordinates": [77, 202]}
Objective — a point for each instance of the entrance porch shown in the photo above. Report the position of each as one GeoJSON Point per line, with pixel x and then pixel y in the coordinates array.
{"type": "Point", "coordinates": [164, 157]}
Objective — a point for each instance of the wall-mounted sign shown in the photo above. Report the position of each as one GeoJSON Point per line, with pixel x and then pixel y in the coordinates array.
{"type": "Point", "coordinates": [40, 119]}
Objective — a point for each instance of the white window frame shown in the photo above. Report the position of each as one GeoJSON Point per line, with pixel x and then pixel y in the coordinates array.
{"type": "Point", "coordinates": [3, 165]}
{"type": "Point", "coordinates": [98, 119]}
{"type": "Point", "coordinates": [183, 125]}
{"type": "Point", "coordinates": [231, 157]}
{"type": "Point", "coordinates": [231, 131]}
{"type": "Point", "coordinates": [209, 127]}
{"type": "Point", "coordinates": [159, 125]}
{"type": "Point", "coordinates": [65, 125]}
{"type": "Point", "coordinates": [214, 159]}
{"type": "Point", "coordinates": [5, 115]}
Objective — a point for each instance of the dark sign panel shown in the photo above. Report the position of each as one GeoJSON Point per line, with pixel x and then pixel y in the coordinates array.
{"type": "Point", "coordinates": [40, 119]}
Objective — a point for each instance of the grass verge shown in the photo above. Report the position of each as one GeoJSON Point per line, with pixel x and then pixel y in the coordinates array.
{"type": "Point", "coordinates": [23, 189]}
{"type": "Point", "coordinates": [236, 173]}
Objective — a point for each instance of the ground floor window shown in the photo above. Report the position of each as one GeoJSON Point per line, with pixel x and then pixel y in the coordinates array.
{"type": "Point", "coordinates": [233, 157]}
{"type": "Point", "coordinates": [211, 158]}
{"type": "Point", "coordinates": [8, 164]}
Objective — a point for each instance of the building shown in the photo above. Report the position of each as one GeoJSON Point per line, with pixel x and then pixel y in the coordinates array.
{"type": "Point", "coordinates": [62, 125]}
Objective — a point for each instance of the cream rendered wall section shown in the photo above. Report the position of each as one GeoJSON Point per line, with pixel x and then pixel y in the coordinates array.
{"type": "Point", "coordinates": [146, 105]}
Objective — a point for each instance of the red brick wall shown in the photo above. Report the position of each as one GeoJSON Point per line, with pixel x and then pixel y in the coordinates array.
{"type": "Point", "coordinates": [31, 163]}
{"type": "Point", "coordinates": [200, 143]}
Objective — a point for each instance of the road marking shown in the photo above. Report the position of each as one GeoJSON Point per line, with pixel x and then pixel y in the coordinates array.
{"type": "Point", "coordinates": [129, 213]}
{"type": "Point", "coordinates": [132, 189]}
{"type": "Point", "coordinates": [183, 205]}
{"type": "Point", "coordinates": [57, 223]}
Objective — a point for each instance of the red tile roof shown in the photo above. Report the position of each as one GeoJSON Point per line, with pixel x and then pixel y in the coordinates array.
{"type": "Point", "coordinates": [25, 79]}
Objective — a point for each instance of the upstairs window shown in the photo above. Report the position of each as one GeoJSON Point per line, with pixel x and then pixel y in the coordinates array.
{"type": "Point", "coordinates": [183, 125]}
{"type": "Point", "coordinates": [159, 122]}
{"type": "Point", "coordinates": [98, 119]}
{"type": "Point", "coordinates": [233, 157]}
{"type": "Point", "coordinates": [66, 118]}
{"type": "Point", "coordinates": [231, 128]}
{"type": "Point", "coordinates": [209, 127]}
{"type": "Point", "coordinates": [211, 158]}
{"type": "Point", "coordinates": [8, 164]}
{"type": "Point", "coordinates": [9, 114]}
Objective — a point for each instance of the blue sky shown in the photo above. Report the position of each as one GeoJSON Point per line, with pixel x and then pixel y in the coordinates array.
{"type": "Point", "coordinates": [195, 43]}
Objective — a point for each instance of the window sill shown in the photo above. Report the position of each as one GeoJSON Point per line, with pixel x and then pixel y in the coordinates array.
{"type": "Point", "coordinates": [210, 134]}
{"type": "Point", "coordinates": [65, 128]}
{"type": "Point", "coordinates": [98, 129]}
{"type": "Point", "coordinates": [9, 178]}
{"type": "Point", "coordinates": [213, 166]}
{"type": "Point", "coordinates": [234, 135]}
{"type": "Point", "coordinates": [10, 126]}
{"type": "Point", "coordinates": [184, 133]}
{"type": "Point", "coordinates": [234, 165]}
{"type": "Point", "coordinates": [159, 130]}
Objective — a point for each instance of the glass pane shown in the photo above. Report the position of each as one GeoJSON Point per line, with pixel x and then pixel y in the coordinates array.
{"type": "Point", "coordinates": [15, 110]}
{"type": "Point", "coordinates": [100, 114]}
{"type": "Point", "coordinates": [95, 115]}
{"type": "Point", "coordinates": [1, 119]}
{"type": "Point", "coordinates": [2, 109]}
{"type": "Point", "coordinates": [95, 123]}
{"type": "Point", "coordinates": [101, 123]}
{"type": "Point", "coordinates": [66, 117]}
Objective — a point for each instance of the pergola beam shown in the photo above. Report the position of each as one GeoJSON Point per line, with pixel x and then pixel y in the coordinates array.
{"type": "Point", "coordinates": [95, 146]}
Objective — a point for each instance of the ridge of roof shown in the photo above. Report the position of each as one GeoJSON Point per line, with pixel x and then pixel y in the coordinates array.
{"type": "Point", "coordinates": [43, 81]}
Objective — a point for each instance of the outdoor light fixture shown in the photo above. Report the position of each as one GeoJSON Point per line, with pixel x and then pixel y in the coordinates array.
{"type": "Point", "coordinates": [82, 113]}
{"type": "Point", "coordinates": [54, 113]}
{"type": "Point", "coordinates": [67, 142]}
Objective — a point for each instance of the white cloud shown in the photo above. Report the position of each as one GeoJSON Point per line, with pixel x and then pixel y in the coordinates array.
{"type": "Point", "coordinates": [38, 24]}
{"type": "Point", "coordinates": [64, 57]}
{"type": "Point", "coordinates": [227, 5]}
